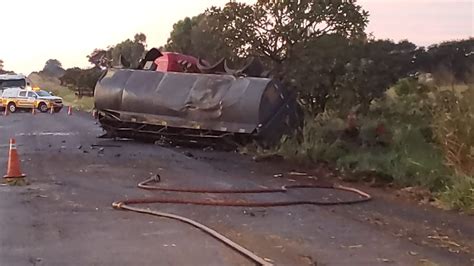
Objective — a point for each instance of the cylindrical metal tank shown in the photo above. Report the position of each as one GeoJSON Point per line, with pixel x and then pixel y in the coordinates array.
{"type": "Point", "coordinates": [205, 102]}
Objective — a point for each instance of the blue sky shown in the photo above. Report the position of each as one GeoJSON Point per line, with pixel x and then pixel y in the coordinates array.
{"type": "Point", "coordinates": [70, 30]}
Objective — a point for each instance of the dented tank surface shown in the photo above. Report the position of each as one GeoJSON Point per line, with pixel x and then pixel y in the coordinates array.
{"type": "Point", "coordinates": [133, 102]}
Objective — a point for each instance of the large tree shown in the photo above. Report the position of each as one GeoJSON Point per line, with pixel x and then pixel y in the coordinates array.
{"type": "Point", "coordinates": [306, 43]}
{"type": "Point", "coordinates": [195, 36]}
{"type": "Point", "coordinates": [53, 68]}
{"type": "Point", "coordinates": [272, 28]}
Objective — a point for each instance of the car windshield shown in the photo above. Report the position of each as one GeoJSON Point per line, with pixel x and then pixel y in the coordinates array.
{"type": "Point", "coordinates": [11, 83]}
{"type": "Point", "coordinates": [43, 93]}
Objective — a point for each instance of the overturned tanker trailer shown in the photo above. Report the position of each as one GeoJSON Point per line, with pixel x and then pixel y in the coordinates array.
{"type": "Point", "coordinates": [181, 98]}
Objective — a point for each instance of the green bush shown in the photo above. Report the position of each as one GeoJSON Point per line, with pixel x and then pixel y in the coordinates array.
{"type": "Point", "coordinates": [416, 135]}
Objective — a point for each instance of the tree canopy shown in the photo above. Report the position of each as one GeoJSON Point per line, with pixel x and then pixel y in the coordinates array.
{"type": "Point", "coordinates": [129, 50]}
{"type": "Point", "coordinates": [53, 68]}
{"type": "Point", "coordinates": [272, 28]}
{"type": "Point", "coordinates": [450, 61]}
{"type": "Point", "coordinates": [194, 36]}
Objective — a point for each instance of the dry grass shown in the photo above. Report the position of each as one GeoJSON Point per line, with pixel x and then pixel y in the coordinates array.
{"type": "Point", "coordinates": [70, 99]}
{"type": "Point", "coordinates": [454, 131]}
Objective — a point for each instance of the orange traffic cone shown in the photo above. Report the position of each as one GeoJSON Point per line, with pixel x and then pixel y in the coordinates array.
{"type": "Point", "coordinates": [33, 111]}
{"type": "Point", "coordinates": [69, 110]}
{"type": "Point", "coordinates": [52, 110]}
{"type": "Point", "coordinates": [6, 111]}
{"type": "Point", "coordinates": [13, 170]}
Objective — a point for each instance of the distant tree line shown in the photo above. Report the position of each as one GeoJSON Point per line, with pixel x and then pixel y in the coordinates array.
{"type": "Point", "coordinates": [83, 81]}
{"type": "Point", "coordinates": [2, 70]}
{"type": "Point", "coordinates": [129, 51]}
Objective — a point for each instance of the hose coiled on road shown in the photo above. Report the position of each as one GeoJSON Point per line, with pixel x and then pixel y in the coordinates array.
{"type": "Point", "coordinates": [126, 205]}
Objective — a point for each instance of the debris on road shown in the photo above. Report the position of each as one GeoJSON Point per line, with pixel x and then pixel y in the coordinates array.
{"type": "Point", "coordinates": [188, 154]}
{"type": "Point", "coordinates": [208, 148]}
{"type": "Point", "coordinates": [106, 145]}
{"type": "Point", "coordinates": [262, 213]}
{"type": "Point", "coordinates": [298, 174]}
{"type": "Point", "coordinates": [385, 260]}
{"type": "Point", "coordinates": [267, 157]}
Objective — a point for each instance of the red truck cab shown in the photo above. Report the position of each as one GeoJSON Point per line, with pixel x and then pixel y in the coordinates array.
{"type": "Point", "coordinates": [175, 62]}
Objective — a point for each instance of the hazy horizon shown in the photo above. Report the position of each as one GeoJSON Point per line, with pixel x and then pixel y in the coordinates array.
{"type": "Point", "coordinates": [71, 31]}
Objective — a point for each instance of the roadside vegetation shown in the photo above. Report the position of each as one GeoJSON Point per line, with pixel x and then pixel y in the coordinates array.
{"type": "Point", "coordinates": [417, 134]}
{"type": "Point", "coordinates": [389, 113]}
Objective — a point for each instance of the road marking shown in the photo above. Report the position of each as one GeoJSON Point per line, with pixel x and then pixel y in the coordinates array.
{"type": "Point", "coordinates": [47, 134]}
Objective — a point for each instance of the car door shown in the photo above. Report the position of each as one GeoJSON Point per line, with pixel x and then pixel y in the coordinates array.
{"type": "Point", "coordinates": [22, 99]}
{"type": "Point", "coordinates": [31, 98]}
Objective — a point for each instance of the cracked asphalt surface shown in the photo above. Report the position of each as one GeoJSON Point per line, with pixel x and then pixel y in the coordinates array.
{"type": "Point", "coordinates": [64, 217]}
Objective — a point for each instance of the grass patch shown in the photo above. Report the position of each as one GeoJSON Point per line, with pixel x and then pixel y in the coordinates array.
{"type": "Point", "coordinates": [460, 194]}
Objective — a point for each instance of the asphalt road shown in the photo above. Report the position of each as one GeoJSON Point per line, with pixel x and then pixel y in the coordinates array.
{"type": "Point", "coordinates": [64, 217]}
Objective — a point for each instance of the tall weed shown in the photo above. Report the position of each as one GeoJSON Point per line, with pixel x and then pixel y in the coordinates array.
{"type": "Point", "coordinates": [417, 135]}
{"type": "Point", "coordinates": [454, 131]}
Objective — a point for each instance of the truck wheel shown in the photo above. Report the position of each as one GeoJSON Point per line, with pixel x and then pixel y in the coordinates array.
{"type": "Point", "coordinates": [11, 107]}
{"type": "Point", "coordinates": [43, 107]}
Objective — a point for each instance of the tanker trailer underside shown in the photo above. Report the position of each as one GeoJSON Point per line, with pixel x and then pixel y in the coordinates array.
{"type": "Point", "coordinates": [205, 108]}
{"type": "Point", "coordinates": [150, 127]}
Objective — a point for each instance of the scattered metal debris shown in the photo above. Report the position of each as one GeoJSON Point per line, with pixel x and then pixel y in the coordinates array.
{"type": "Point", "coordinates": [298, 174]}
{"type": "Point", "coordinates": [106, 145]}
{"type": "Point", "coordinates": [188, 154]}
{"type": "Point", "coordinates": [267, 157]}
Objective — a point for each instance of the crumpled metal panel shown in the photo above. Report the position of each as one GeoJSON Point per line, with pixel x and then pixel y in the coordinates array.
{"type": "Point", "coordinates": [202, 101]}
